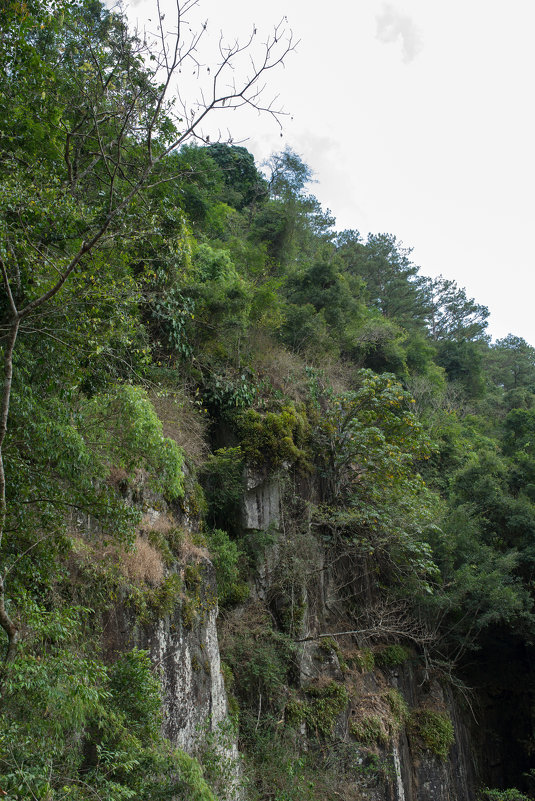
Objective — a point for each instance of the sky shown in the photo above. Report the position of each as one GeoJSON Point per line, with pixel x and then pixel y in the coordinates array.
{"type": "Point", "coordinates": [417, 119]}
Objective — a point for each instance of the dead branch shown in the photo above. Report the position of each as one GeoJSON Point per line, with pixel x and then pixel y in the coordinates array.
{"type": "Point", "coordinates": [384, 621]}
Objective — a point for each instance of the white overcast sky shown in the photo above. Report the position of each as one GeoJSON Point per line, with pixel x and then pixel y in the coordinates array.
{"type": "Point", "coordinates": [417, 118]}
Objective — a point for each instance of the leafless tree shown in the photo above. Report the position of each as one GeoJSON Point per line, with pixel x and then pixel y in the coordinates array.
{"type": "Point", "coordinates": [386, 620]}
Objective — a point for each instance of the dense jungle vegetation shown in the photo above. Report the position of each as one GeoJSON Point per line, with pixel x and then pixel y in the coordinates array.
{"type": "Point", "coordinates": [172, 309]}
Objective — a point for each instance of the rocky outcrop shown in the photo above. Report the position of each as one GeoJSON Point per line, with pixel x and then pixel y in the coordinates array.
{"type": "Point", "coordinates": [261, 502]}
{"type": "Point", "coordinates": [398, 765]}
{"type": "Point", "coordinates": [182, 642]}
{"type": "Point", "coordinates": [391, 762]}
{"type": "Point", "coordinates": [185, 651]}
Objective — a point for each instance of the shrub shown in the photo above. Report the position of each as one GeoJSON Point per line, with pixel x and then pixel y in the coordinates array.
{"type": "Point", "coordinates": [157, 602]}
{"type": "Point", "coordinates": [398, 707]}
{"type": "Point", "coordinates": [260, 658]}
{"type": "Point", "coordinates": [136, 692]}
{"type": "Point", "coordinates": [391, 656]}
{"type": "Point", "coordinates": [363, 660]}
{"type": "Point", "coordinates": [378, 717]}
{"type": "Point", "coordinates": [129, 434]}
{"type": "Point", "coordinates": [511, 794]}
{"type": "Point", "coordinates": [431, 729]}
{"type": "Point", "coordinates": [168, 539]}
{"type": "Point", "coordinates": [369, 730]}
{"type": "Point", "coordinates": [329, 645]}
{"type": "Point", "coordinates": [223, 483]}
{"type": "Point", "coordinates": [225, 394]}
{"type": "Point", "coordinates": [226, 556]}
{"type": "Point", "coordinates": [320, 712]}
{"type": "Point", "coordinates": [274, 437]}
{"type": "Point", "coordinates": [191, 780]}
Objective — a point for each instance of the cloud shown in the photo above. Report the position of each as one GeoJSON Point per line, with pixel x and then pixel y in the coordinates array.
{"type": "Point", "coordinates": [393, 25]}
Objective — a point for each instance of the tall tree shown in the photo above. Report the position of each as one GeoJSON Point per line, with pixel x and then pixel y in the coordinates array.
{"type": "Point", "coordinates": [512, 363]}
{"type": "Point", "coordinates": [393, 283]}
{"type": "Point", "coordinates": [452, 314]}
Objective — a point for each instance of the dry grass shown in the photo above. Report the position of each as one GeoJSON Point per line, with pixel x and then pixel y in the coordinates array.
{"type": "Point", "coordinates": [161, 523]}
{"type": "Point", "coordinates": [282, 370]}
{"type": "Point", "coordinates": [372, 708]}
{"type": "Point", "coordinates": [142, 565]}
{"type": "Point", "coordinates": [116, 476]}
{"type": "Point", "coordinates": [182, 420]}
{"type": "Point", "coordinates": [165, 525]}
{"type": "Point", "coordinates": [253, 618]}
{"type": "Point", "coordinates": [285, 371]}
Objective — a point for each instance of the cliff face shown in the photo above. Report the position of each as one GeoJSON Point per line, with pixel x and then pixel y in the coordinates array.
{"type": "Point", "coordinates": [403, 716]}
{"type": "Point", "coordinates": [183, 643]}
{"type": "Point", "coordinates": [186, 653]}
{"type": "Point", "coordinates": [424, 775]}
{"type": "Point", "coordinates": [410, 731]}
{"type": "Point", "coordinates": [407, 733]}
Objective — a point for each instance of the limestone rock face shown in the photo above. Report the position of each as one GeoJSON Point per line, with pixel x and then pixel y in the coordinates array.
{"type": "Point", "coordinates": [186, 655]}
{"type": "Point", "coordinates": [261, 503]}
{"type": "Point", "coordinates": [425, 776]}
{"type": "Point", "coordinates": [184, 650]}
{"type": "Point", "coordinates": [183, 643]}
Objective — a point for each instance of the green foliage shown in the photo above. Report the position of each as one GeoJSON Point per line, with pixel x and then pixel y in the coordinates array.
{"type": "Point", "coordinates": [366, 443]}
{"type": "Point", "coordinates": [222, 299]}
{"type": "Point", "coordinates": [288, 173]}
{"type": "Point", "coordinates": [260, 659]}
{"type": "Point", "coordinates": [463, 362]}
{"type": "Point", "coordinates": [69, 721]}
{"type": "Point", "coordinates": [168, 543]}
{"type": "Point", "coordinates": [128, 434]}
{"type": "Point", "coordinates": [226, 556]}
{"type": "Point", "coordinates": [431, 729]}
{"type": "Point", "coordinates": [191, 782]}
{"type": "Point", "coordinates": [511, 363]}
{"type": "Point", "coordinates": [278, 769]}
{"type": "Point", "coordinates": [225, 394]}
{"type": "Point", "coordinates": [369, 730]}
{"type": "Point", "coordinates": [329, 645]}
{"type": "Point", "coordinates": [137, 692]}
{"type": "Point", "coordinates": [243, 183]}
{"type": "Point", "coordinates": [274, 438]}
{"type": "Point", "coordinates": [223, 481]}
{"type": "Point", "coordinates": [319, 711]}
{"type": "Point", "coordinates": [381, 345]}
{"type": "Point", "coordinates": [377, 719]}
{"type": "Point", "coordinates": [481, 588]}
{"type": "Point", "coordinates": [391, 656]}
{"type": "Point", "coordinates": [364, 660]}
{"type": "Point", "coordinates": [197, 599]}
{"type": "Point", "coordinates": [392, 282]}
{"type": "Point", "coordinates": [398, 707]}
{"type": "Point", "coordinates": [321, 285]}
{"type": "Point", "coordinates": [221, 767]}
{"type": "Point", "coordinates": [511, 794]}
{"type": "Point", "coordinates": [161, 601]}
{"type": "Point", "coordinates": [452, 314]}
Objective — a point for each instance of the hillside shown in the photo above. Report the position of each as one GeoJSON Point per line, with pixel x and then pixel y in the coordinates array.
{"type": "Point", "coordinates": [267, 493]}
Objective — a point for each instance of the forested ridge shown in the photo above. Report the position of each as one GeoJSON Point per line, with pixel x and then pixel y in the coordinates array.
{"type": "Point", "coordinates": [174, 314]}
